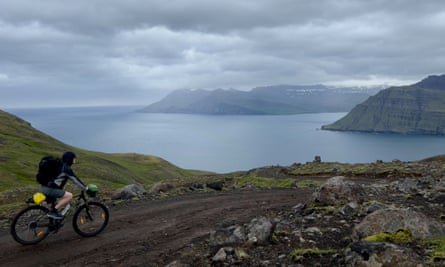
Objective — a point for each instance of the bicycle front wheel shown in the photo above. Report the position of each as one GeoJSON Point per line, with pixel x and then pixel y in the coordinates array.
{"type": "Point", "coordinates": [90, 219]}
{"type": "Point", "coordinates": [30, 225]}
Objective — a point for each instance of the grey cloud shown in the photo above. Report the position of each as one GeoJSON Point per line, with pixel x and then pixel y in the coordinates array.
{"type": "Point", "coordinates": [113, 51]}
{"type": "Point", "coordinates": [232, 15]}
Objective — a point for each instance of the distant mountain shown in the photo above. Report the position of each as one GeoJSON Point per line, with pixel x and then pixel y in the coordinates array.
{"type": "Point", "coordinates": [274, 100]}
{"type": "Point", "coordinates": [413, 109]}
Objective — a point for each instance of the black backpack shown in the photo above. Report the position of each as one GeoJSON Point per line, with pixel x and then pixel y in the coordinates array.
{"type": "Point", "coordinates": [49, 168]}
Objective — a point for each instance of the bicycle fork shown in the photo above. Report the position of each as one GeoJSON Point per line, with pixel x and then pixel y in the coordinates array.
{"type": "Point", "coordinates": [87, 217]}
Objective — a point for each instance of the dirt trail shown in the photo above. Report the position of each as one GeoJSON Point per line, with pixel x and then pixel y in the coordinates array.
{"type": "Point", "coordinates": [148, 232]}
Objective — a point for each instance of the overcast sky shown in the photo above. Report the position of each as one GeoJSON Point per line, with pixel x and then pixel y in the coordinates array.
{"type": "Point", "coordinates": [116, 52]}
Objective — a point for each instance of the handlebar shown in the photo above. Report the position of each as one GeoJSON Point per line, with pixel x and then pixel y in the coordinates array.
{"type": "Point", "coordinates": [85, 193]}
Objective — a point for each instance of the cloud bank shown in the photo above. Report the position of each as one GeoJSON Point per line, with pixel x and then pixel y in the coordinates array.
{"type": "Point", "coordinates": [104, 52]}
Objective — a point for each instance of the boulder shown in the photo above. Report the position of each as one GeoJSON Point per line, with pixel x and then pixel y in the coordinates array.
{"type": "Point", "coordinates": [350, 210]}
{"type": "Point", "coordinates": [221, 255]}
{"type": "Point", "coordinates": [227, 236]}
{"type": "Point", "coordinates": [374, 206]}
{"type": "Point", "coordinates": [407, 185]}
{"type": "Point", "coordinates": [129, 192]}
{"type": "Point", "coordinates": [393, 219]}
{"type": "Point", "coordinates": [218, 186]}
{"type": "Point", "coordinates": [161, 187]}
{"type": "Point", "coordinates": [367, 254]}
{"type": "Point", "coordinates": [259, 230]}
{"type": "Point", "coordinates": [299, 208]}
{"type": "Point", "coordinates": [196, 186]}
{"type": "Point", "coordinates": [338, 191]}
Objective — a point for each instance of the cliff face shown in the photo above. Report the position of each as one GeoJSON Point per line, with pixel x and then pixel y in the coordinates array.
{"type": "Point", "coordinates": [414, 109]}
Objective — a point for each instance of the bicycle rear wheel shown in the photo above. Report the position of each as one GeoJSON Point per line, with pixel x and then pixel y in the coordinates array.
{"type": "Point", "coordinates": [90, 219]}
{"type": "Point", "coordinates": [30, 225]}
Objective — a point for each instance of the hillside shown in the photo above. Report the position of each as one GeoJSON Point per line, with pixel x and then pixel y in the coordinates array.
{"type": "Point", "coordinates": [22, 146]}
{"type": "Point", "coordinates": [271, 100]}
{"type": "Point", "coordinates": [332, 214]}
{"type": "Point", "coordinates": [413, 109]}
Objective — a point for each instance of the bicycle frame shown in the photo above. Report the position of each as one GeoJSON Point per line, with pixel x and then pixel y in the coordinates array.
{"type": "Point", "coordinates": [54, 225]}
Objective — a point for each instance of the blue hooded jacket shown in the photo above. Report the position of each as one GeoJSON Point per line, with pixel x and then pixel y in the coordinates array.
{"type": "Point", "coordinates": [67, 173]}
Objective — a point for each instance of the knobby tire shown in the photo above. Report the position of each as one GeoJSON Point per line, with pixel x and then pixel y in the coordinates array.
{"type": "Point", "coordinates": [30, 225]}
{"type": "Point", "coordinates": [90, 219]}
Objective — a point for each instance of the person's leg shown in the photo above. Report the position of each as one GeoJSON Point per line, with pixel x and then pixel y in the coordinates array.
{"type": "Point", "coordinates": [64, 200]}
{"type": "Point", "coordinates": [63, 196]}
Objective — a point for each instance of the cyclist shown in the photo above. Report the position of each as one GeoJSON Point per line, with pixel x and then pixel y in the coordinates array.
{"type": "Point", "coordinates": [55, 187]}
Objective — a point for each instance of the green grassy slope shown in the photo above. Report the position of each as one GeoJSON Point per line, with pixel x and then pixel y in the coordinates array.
{"type": "Point", "coordinates": [22, 146]}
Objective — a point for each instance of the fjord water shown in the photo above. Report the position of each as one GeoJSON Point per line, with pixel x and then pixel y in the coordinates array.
{"type": "Point", "coordinates": [224, 143]}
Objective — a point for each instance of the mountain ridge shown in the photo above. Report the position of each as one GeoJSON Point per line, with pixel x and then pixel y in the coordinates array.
{"type": "Point", "coordinates": [413, 109]}
{"type": "Point", "coordinates": [267, 100]}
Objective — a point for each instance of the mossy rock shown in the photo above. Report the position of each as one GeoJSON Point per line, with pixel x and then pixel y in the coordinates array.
{"type": "Point", "coordinates": [438, 249]}
{"type": "Point", "coordinates": [299, 253]}
{"type": "Point", "coordinates": [278, 236]}
{"type": "Point", "coordinates": [241, 254]}
{"type": "Point", "coordinates": [401, 236]}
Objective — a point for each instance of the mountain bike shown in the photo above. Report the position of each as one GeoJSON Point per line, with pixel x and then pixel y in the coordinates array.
{"type": "Point", "coordinates": [31, 225]}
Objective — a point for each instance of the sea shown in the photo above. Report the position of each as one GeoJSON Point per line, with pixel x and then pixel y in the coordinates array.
{"type": "Point", "coordinates": [225, 143]}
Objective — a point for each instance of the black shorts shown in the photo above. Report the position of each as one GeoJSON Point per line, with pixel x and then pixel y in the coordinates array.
{"type": "Point", "coordinates": [53, 192]}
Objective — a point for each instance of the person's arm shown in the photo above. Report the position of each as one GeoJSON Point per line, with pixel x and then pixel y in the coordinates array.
{"type": "Point", "coordinates": [76, 180]}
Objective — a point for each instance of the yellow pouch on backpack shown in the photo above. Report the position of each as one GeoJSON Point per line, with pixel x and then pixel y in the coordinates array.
{"type": "Point", "coordinates": [38, 198]}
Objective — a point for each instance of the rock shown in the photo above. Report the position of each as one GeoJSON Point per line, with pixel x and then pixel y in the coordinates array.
{"type": "Point", "coordinates": [161, 187]}
{"type": "Point", "coordinates": [407, 185]}
{"type": "Point", "coordinates": [381, 254]}
{"type": "Point", "coordinates": [218, 186]}
{"type": "Point", "coordinates": [176, 264]}
{"type": "Point", "coordinates": [349, 210]}
{"type": "Point", "coordinates": [299, 208]}
{"type": "Point", "coordinates": [221, 255]}
{"type": "Point", "coordinates": [391, 220]}
{"type": "Point", "coordinates": [241, 254]}
{"type": "Point", "coordinates": [249, 186]}
{"type": "Point", "coordinates": [313, 231]}
{"type": "Point", "coordinates": [259, 231]}
{"type": "Point", "coordinates": [438, 197]}
{"type": "Point", "coordinates": [337, 191]}
{"type": "Point", "coordinates": [374, 206]}
{"type": "Point", "coordinates": [129, 192]}
{"type": "Point", "coordinates": [265, 263]}
{"type": "Point", "coordinates": [227, 236]}
{"type": "Point", "coordinates": [196, 186]}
